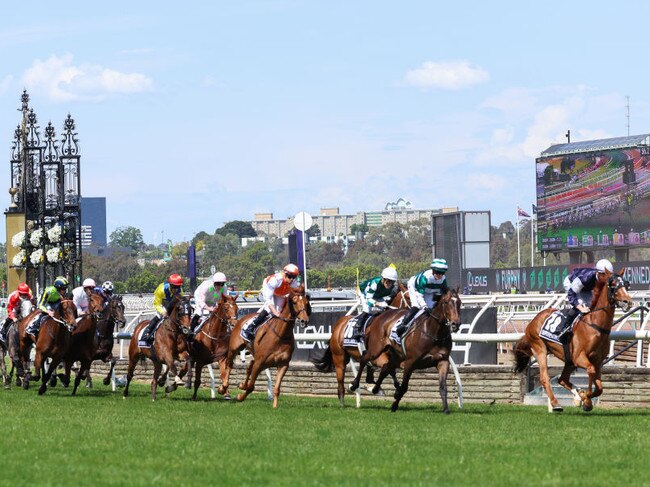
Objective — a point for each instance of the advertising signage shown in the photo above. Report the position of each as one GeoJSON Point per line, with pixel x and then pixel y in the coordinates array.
{"type": "Point", "coordinates": [539, 279]}
{"type": "Point", "coordinates": [593, 200]}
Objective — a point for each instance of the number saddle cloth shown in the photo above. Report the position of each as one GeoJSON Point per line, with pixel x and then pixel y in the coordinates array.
{"type": "Point", "coordinates": [555, 327]}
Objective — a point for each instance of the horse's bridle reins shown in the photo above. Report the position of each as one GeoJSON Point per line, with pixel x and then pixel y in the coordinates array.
{"type": "Point", "coordinates": [443, 321]}
{"type": "Point", "coordinates": [108, 311]}
{"type": "Point", "coordinates": [611, 297]}
{"type": "Point", "coordinates": [293, 313]}
{"type": "Point", "coordinates": [225, 322]}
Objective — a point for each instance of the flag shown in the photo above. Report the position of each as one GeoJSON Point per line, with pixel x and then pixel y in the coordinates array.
{"type": "Point", "coordinates": [535, 209]}
{"type": "Point", "coordinates": [522, 213]}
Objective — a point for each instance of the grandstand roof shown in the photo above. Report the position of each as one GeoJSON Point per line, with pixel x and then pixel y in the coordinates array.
{"type": "Point", "coordinates": [596, 145]}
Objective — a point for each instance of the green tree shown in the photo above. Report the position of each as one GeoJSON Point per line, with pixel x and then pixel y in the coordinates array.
{"type": "Point", "coordinates": [237, 227]}
{"type": "Point", "coordinates": [359, 227]}
{"type": "Point", "coordinates": [313, 231]}
{"type": "Point", "coordinates": [323, 254]}
{"type": "Point", "coordinates": [129, 237]}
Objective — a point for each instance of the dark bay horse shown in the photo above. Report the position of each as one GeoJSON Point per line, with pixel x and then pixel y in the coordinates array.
{"type": "Point", "coordinates": [52, 342]}
{"type": "Point", "coordinates": [169, 345]}
{"type": "Point", "coordinates": [589, 345]}
{"type": "Point", "coordinates": [83, 344]}
{"type": "Point", "coordinates": [336, 356]}
{"type": "Point", "coordinates": [427, 344]}
{"type": "Point", "coordinates": [12, 347]}
{"type": "Point", "coordinates": [211, 343]}
{"type": "Point", "coordinates": [273, 345]}
{"type": "Point", "coordinates": [112, 316]}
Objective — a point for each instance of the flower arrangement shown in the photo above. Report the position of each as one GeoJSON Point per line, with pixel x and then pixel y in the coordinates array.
{"type": "Point", "coordinates": [53, 255]}
{"type": "Point", "coordinates": [35, 237]}
{"type": "Point", "coordinates": [19, 258]}
{"type": "Point", "coordinates": [54, 234]}
{"type": "Point", "coordinates": [36, 257]}
{"type": "Point", "coordinates": [18, 240]}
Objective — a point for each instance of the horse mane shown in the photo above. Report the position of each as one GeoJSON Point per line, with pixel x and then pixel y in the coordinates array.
{"type": "Point", "coordinates": [599, 287]}
{"type": "Point", "coordinates": [172, 303]}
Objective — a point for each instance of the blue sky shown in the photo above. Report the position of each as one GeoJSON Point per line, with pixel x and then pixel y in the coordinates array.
{"type": "Point", "coordinates": [191, 117]}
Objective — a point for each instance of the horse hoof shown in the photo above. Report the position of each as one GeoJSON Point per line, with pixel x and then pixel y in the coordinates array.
{"type": "Point", "coordinates": [557, 409]}
{"type": "Point", "coordinates": [221, 391]}
{"type": "Point", "coordinates": [587, 408]}
{"type": "Point", "coordinates": [352, 387]}
{"type": "Point", "coordinates": [394, 407]}
{"type": "Point", "coordinates": [41, 390]}
{"type": "Point", "coordinates": [106, 381]}
{"type": "Point", "coordinates": [242, 385]}
{"type": "Point", "coordinates": [241, 397]}
{"type": "Point", "coordinates": [446, 411]}
{"type": "Point", "coordinates": [377, 391]}
{"type": "Point", "coordinates": [227, 397]}
{"type": "Point", "coordinates": [171, 388]}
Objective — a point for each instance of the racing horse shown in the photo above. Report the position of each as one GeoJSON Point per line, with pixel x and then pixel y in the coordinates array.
{"type": "Point", "coordinates": [427, 344]}
{"type": "Point", "coordinates": [273, 344]}
{"type": "Point", "coordinates": [83, 343]}
{"type": "Point", "coordinates": [211, 342]}
{"type": "Point", "coordinates": [170, 344]}
{"type": "Point", "coordinates": [52, 342]}
{"type": "Point", "coordinates": [589, 344]}
{"type": "Point", "coordinates": [336, 356]}
{"type": "Point", "coordinates": [12, 348]}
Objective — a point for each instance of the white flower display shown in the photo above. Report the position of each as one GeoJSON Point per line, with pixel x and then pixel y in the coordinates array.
{"type": "Point", "coordinates": [18, 240]}
{"type": "Point", "coordinates": [53, 255]}
{"type": "Point", "coordinates": [19, 259]}
{"type": "Point", "coordinates": [36, 257]}
{"type": "Point", "coordinates": [54, 234]}
{"type": "Point", "coordinates": [35, 237]}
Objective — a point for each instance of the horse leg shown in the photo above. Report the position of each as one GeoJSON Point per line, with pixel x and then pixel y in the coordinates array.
{"type": "Point", "coordinates": [38, 364]}
{"type": "Point", "coordinates": [129, 374]}
{"type": "Point", "coordinates": [244, 384]}
{"type": "Point", "coordinates": [565, 381]}
{"type": "Point", "coordinates": [363, 361]}
{"type": "Point", "coordinates": [109, 376]}
{"type": "Point", "coordinates": [370, 374]}
{"type": "Point", "coordinates": [84, 368]}
{"type": "Point", "coordinates": [157, 368]}
{"type": "Point", "coordinates": [3, 370]}
{"type": "Point", "coordinates": [172, 371]}
{"type": "Point", "coordinates": [404, 386]}
{"type": "Point", "coordinates": [224, 373]}
{"type": "Point", "coordinates": [197, 379]}
{"type": "Point", "coordinates": [339, 365]}
{"type": "Point", "coordinates": [443, 371]}
{"type": "Point", "coordinates": [187, 369]}
{"type": "Point", "coordinates": [47, 375]}
{"type": "Point", "coordinates": [255, 371]}
{"type": "Point", "coordinates": [586, 396]}
{"type": "Point", "coordinates": [278, 381]}
{"type": "Point", "coordinates": [544, 378]}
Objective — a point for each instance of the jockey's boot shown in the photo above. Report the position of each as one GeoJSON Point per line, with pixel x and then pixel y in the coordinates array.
{"type": "Point", "coordinates": [403, 326]}
{"type": "Point", "coordinates": [5, 329]}
{"type": "Point", "coordinates": [193, 325]}
{"type": "Point", "coordinates": [37, 325]}
{"type": "Point", "coordinates": [357, 334]}
{"type": "Point", "coordinates": [147, 336]}
{"type": "Point", "coordinates": [248, 333]}
{"type": "Point", "coordinates": [571, 315]}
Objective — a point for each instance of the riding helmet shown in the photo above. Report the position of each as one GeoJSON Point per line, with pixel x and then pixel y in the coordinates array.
{"type": "Point", "coordinates": [175, 280]}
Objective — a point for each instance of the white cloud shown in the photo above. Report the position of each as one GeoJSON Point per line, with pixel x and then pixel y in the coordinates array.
{"type": "Point", "coordinates": [488, 182]}
{"type": "Point", "coordinates": [453, 75]}
{"type": "Point", "coordinates": [62, 80]}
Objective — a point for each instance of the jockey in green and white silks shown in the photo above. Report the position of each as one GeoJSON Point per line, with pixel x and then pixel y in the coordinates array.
{"type": "Point", "coordinates": [425, 289]}
{"type": "Point", "coordinates": [376, 294]}
{"type": "Point", "coordinates": [206, 297]}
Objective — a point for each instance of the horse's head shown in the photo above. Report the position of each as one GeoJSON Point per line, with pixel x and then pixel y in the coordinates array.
{"type": "Point", "coordinates": [401, 299]}
{"type": "Point", "coordinates": [299, 306]}
{"type": "Point", "coordinates": [95, 303]}
{"type": "Point", "coordinates": [617, 288]}
{"type": "Point", "coordinates": [226, 311]}
{"type": "Point", "coordinates": [448, 309]}
{"type": "Point", "coordinates": [116, 310]}
{"type": "Point", "coordinates": [68, 312]}
{"type": "Point", "coordinates": [180, 312]}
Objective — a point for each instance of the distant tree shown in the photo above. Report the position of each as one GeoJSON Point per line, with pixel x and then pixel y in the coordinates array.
{"type": "Point", "coordinates": [359, 227]}
{"type": "Point", "coordinates": [199, 237]}
{"type": "Point", "coordinates": [313, 231]}
{"type": "Point", "coordinates": [130, 237]}
{"type": "Point", "coordinates": [323, 254]}
{"type": "Point", "coordinates": [237, 227]}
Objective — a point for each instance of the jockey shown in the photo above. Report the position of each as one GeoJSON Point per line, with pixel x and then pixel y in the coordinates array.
{"type": "Point", "coordinates": [80, 296]}
{"type": "Point", "coordinates": [579, 286]}
{"type": "Point", "coordinates": [376, 293]}
{"type": "Point", "coordinates": [425, 290]}
{"type": "Point", "coordinates": [107, 289]}
{"type": "Point", "coordinates": [275, 290]}
{"type": "Point", "coordinates": [161, 297]}
{"type": "Point", "coordinates": [50, 300]}
{"type": "Point", "coordinates": [14, 303]}
{"type": "Point", "coordinates": [206, 297]}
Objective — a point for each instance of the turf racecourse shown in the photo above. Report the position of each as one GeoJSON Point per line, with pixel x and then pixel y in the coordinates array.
{"type": "Point", "coordinates": [97, 438]}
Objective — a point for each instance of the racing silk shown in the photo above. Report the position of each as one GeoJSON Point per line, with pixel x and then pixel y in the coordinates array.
{"type": "Point", "coordinates": [373, 290]}
{"type": "Point", "coordinates": [49, 299]}
{"type": "Point", "coordinates": [14, 302]}
{"type": "Point", "coordinates": [207, 295]}
{"type": "Point", "coordinates": [80, 300]}
{"type": "Point", "coordinates": [425, 289]}
{"type": "Point", "coordinates": [162, 296]}
{"type": "Point", "coordinates": [274, 286]}
{"type": "Point", "coordinates": [579, 285]}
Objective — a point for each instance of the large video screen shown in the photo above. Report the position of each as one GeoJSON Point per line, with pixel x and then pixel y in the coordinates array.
{"type": "Point", "coordinates": [593, 200]}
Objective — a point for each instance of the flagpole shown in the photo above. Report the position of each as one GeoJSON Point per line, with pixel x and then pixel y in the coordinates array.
{"type": "Point", "coordinates": [532, 252]}
{"type": "Point", "coordinates": [518, 247]}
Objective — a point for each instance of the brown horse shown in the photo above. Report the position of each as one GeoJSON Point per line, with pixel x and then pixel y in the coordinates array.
{"type": "Point", "coordinates": [12, 347]}
{"type": "Point", "coordinates": [52, 342]}
{"type": "Point", "coordinates": [336, 356]}
{"type": "Point", "coordinates": [169, 344]}
{"type": "Point", "coordinates": [273, 344]}
{"type": "Point", "coordinates": [427, 344]}
{"type": "Point", "coordinates": [83, 342]}
{"type": "Point", "coordinates": [211, 343]}
{"type": "Point", "coordinates": [112, 316]}
{"type": "Point", "coordinates": [589, 344]}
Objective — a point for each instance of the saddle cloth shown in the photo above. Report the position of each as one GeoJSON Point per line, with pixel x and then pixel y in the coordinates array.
{"type": "Point", "coordinates": [143, 343]}
{"type": "Point", "coordinates": [554, 327]}
{"type": "Point", "coordinates": [348, 334]}
{"type": "Point", "coordinates": [246, 326]}
{"type": "Point", "coordinates": [30, 328]}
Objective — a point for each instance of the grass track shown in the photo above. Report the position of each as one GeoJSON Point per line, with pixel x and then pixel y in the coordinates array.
{"type": "Point", "coordinates": [97, 438]}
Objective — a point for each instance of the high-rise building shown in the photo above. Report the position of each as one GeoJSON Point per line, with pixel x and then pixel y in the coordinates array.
{"type": "Point", "coordinates": [93, 221]}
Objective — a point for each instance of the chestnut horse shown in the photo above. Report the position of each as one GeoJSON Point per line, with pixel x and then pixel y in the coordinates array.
{"type": "Point", "coordinates": [83, 342]}
{"type": "Point", "coordinates": [211, 342]}
{"type": "Point", "coordinates": [427, 344]}
{"type": "Point", "coordinates": [336, 356]}
{"type": "Point", "coordinates": [589, 344]}
{"type": "Point", "coordinates": [273, 344]}
{"type": "Point", "coordinates": [169, 344]}
{"type": "Point", "coordinates": [52, 342]}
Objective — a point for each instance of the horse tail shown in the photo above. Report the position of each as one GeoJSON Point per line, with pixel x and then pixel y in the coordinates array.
{"type": "Point", "coordinates": [322, 360]}
{"type": "Point", "coordinates": [523, 352]}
